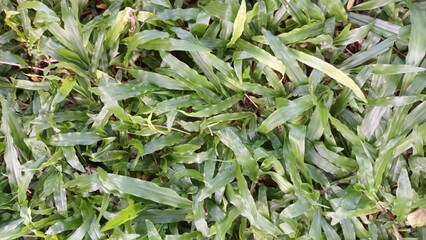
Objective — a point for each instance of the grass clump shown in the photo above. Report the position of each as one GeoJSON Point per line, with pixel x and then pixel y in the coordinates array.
{"type": "Point", "coordinates": [212, 119]}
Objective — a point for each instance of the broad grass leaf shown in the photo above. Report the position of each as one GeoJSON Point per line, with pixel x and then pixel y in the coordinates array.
{"type": "Point", "coordinates": [60, 196]}
{"type": "Point", "coordinates": [245, 202]}
{"type": "Point", "coordinates": [163, 3]}
{"type": "Point", "coordinates": [159, 80]}
{"type": "Point", "coordinates": [190, 158]}
{"type": "Point", "coordinates": [415, 116]}
{"type": "Point", "coordinates": [157, 144]}
{"type": "Point", "coordinates": [178, 103]}
{"type": "Point", "coordinates": [372, 5]}
{"type": "Point", "coordinates": [228, 137]}
{"type": "Point", "coordinates": [118, 26]}
{"type": "Point", "coordinates": [220, 10]}
{"type": "Point", "coordinates": [330, 70]}
{"type": "Point", "coordinates": [116, 91]}
{"type": "Point", "coordinates": [163, 216]}
{"type": "Point", "coordinates": [142, 189]}
{"type": "Point", "coordinates": [11, 226]}
{"type": "Point", "coordinates": [391, 69]}
{"type": "Point", "coordinates": [404, 196]}
{"type": "Point", "coordinates": [225, 176]}
{"type": "Point", "coordinates": [144, 37]}
{"type": "Point", "coordinates": [293, 70]}
{"type": "Point", "coordinates": [365, 163]}
{"type": "Point", "coordinates": [295, 153]}
{"type": "Point", "coordinates": [315, 228]}
{"type": "Point", "coordinates": [127, 214]}
{"type": "Point", "coordinates": [84, 183]}
{"type": "Point", "coordinates": [216, 108]}
{"type": "Point", "coordinates": [385, 157]}
{"type": "Point", "coordinates": [284, 185]}
{"type": "Point", "coordinates": [83, 229]}
{"type": "Point", "coordinates": [313, 157]}
{"type": "Point", "coordinates": [329, 232]}
{"type": "Point", "coordinates": [48, 14]}
{"type": "Point", "coordinates": [286, 113]}
{"type": "Point", "coordinates": [396, 101]}
{"type": "Point", "coordinates": [8, 58]}
{"type": "Point", "coordinates": [200, 221]}
{"type": "Point", "coordinates": [71, 157]}
{"type": "Point", "coordinates": [175, 14]}
{"type": "Point", "coordinates": [225, 117]}
{"type": "Point", "coordinates": [152, 231]}
{"type": "Point", "coordinates": [67, 224]}
{"type": "Point", "coordinates": [227, 223]}
{"type": "Point", "coordinates": [335, 8]}
{"type": "Point", "coordinates": [64, 90]}
{"type": "Point", "coordinates": [262, 56]}
{"type": "Point", "coordinates": [298, 34]}
{"type": "Point", "coordinates": [416, 45]}
{"type": "Point", "coordinates": [70, 36]}
{"type": "Point", "coordinates": [12, 127]}
{"type": "Point", "coordinates": [348, 229]}
{"type": "Point", "coordinates": [239, 23]}
{"type": "Point", "coordinates": [343, 163]}
{"type": "Point", "coordinates": [29, 85]}
{"type": "Point", "coordinates": [354, 35]}
{"type": "Point", "coordinates": [171, 44]}
{"type": "Point", "coordinates": [13, 166]}
{"type": "Point", "coordinates": [296, 209]}
{"type": "Point", "coordinates": [191, 78]}
{"type": "Point", "coordinates": [74, 138]}
{"type": "Point", "coordinates": [384, 28]}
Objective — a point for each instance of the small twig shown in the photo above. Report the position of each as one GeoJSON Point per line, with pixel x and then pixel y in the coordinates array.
{"type": "Point", "coordinates": [251, 100]}
{"type": "Point", "coordinates": [210, 130]}
{"type": "Point", "coordinates": [21, 66]}
{"type": "Point", "coordinates": [399, 53]}
{"type": "Point", "coordinates": [349, 51]}
{"type": "Point", "coordinates": [165, 127]}
{"type": "Point", "coordinates": [388, 214]}
{"type": "Point", "coordinates": [253, 186]}
{"type": "Point", "coordinates": [158, 168]}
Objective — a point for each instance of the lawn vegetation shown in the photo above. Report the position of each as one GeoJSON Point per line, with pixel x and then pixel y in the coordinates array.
{"type": "Point", "coordinates": [230, 119]}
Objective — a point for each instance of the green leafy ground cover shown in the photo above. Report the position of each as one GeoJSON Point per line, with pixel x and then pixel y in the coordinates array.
{"type": "Point", "coordinates": [212, 119]}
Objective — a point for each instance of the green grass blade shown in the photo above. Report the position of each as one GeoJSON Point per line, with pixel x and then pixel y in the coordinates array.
{"type": "Point", "coordinates": [244, 158]}
{"type": "Point", "coordinates": [127, 214]}
{"type": "Point", "coordinates": [142, 189]}
{"type": "Point", "coordinates": [404, 196]}
{"type": "Point", "coordinates": [239, 22]}
{"type": "Point", "coordinates": [74, 138]}
{"type": "Point", "coordinates": [330, 70]}
{"type": "Point", "coordinates": [372, 5]}
{"type": "Point", "coordinates": [284, 114]}
{"type": "Point", "coordinates": [262, 56]}
{"type": "Point", "coordinates": [216, 108]}
{"type": "Point", "coordinates": [294, 71]}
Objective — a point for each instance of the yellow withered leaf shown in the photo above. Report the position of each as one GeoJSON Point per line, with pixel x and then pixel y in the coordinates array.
{"type": "Point", "coordinates": [417, 218]}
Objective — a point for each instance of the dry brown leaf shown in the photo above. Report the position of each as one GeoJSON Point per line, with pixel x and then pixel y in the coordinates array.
{"type": "Point", "coordinates": [417, 218]}
{"type": "Point", "coordinates": [102, 6]}
{"type": "Point", "coordinates": [350, 4]}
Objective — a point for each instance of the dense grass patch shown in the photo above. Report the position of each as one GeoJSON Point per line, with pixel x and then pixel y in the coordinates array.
{"type": "Point", "coordinates": [213, 119]}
